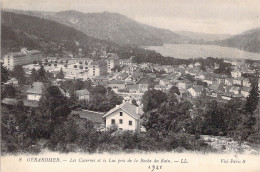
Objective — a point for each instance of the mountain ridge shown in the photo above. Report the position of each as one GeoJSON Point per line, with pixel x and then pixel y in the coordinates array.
{"type": "Point", "coordinates": [248, 41]}
{"type": "Point", "coordinates": [120, 29]}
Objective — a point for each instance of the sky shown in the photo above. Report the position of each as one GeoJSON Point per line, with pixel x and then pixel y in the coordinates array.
{"type": "Point", "coordinates": [206, 16]}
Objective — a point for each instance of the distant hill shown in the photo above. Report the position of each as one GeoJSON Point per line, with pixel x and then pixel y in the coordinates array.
{"type": "Point", "coordinates": [22, 30]}
{"type": "Point", "coordinates": [117, 28]}
{"type": "Point", "coordinates": [112, 27]}
{"type": "Point", "coordinates": [248, 41]}
{"type": "Point", "coordinates": [203, 37]}
{"type": "Point", "coordinates": [19, 30]}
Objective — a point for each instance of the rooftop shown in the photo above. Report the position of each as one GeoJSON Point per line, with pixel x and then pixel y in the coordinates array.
{"type": "Point", "coordinates": [99, 63]}
{"type": "Point", "coordinates": [132, 110]}
{"type": "Point", "coordinates": [82, 92]}
{"type": "Point", "coordinates": [96, 117]}
{"type": "Point", "coordinates": [35, 88]}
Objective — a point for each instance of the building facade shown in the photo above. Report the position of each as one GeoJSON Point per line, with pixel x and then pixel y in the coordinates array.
{"type": "Point", "coordinates": [125, 116]}
{"type": "Point", "coordinates": [21, 58]}
{"type": "Point", "coordinates": [97, 68]}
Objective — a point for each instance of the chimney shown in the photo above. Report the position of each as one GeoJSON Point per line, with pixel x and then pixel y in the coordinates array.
{"type": "Point", "coordinates": [137, 110]}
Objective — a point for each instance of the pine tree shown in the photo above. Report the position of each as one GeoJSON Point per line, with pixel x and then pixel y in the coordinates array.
{"type": "Point", "coordinates": [19, 74]}
{"type": "Point", "coordinates": [34, 75]}
{"type": "Point", "coordinates": [252, 99]}
{"type": "Point", "coordinates": [60, 75]}
{"type": "Point", "coordinates": [4, 73]}
{"type": "Point", "coordinates": [42, 74]}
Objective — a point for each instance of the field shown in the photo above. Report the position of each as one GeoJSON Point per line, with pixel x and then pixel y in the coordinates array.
{"type": "Point", "coordinates": [185, 51]}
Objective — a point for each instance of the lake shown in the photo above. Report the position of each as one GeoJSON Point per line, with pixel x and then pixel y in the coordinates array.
{"type": "Point", "coordinates": [186, 51]}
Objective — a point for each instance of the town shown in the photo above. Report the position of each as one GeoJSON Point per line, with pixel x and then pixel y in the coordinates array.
{"type": "Point", "coordinates": [111, 92]}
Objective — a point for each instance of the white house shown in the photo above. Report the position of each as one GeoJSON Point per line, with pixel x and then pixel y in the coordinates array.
{"type": "Point", "coordinates": [236, 74]}
{"type": "Point", "coordinates": [196, 91]}
{"type": "Point", "coordinates": [34, 92]}
{"type": "Point", "coordinates": [235, 90]}
{"type": "Point", "coordinates": [125, 116]}
{"type": "Point", "coordinates": [83, 94]}
{"type": "Point", "coordinates": [229, 81]}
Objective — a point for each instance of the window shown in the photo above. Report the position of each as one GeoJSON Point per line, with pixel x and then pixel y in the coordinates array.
{"type": "Point", "coordinates": [130, 123]}
{"type": "Point", "coordinates": [113, 121]}
{"type": "Point", "coordinates": [120, 121]}
{"type": "Point", "coordinates": [121, 113]}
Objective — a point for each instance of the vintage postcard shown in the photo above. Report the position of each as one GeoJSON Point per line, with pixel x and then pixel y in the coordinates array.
{"type": "Point", "coordinates": [130, 85]}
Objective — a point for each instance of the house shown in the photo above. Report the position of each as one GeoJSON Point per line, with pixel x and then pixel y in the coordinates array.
{"type": "Point", "coordinates": [64, 92]}
{"type": "Point", "coordinates": [21, 58]}
{"type": "Point", "coordinates": [97, 68]}
{"type": "Point", "coordinates": [200, 76]}
{"type": "Point", "coordinates": [208, 80]}
{"type": "Point", "coordinates": [229, 81]}
{"type": "Point", "coordinates": [238, 81]}
{"type": "Point", "coordinates": [235, 90]}
{"type": "Point", "coordinates": [183, 84]}
{"type": "Point", "coordinates": [117, 84]}
{"type": "Point", "coordinates": [169, 70]}
{"type": "Point", "coordinates": [227, 96]}
{"type": "Point", "coordinates": [12, 81]}
{"type": "Point", "coordinates": [161, 87]}
{"type": "Point", "coordinates": [236, 74]}
{"type": "Point", "coordinates": [196, 91]}
{"type": "Point", "coordinates": [220, 80]}
{"type": "Point", "coordinates": [197, 64]}
{"type": "Point", "coordinates": [246, 82]}
{"type": "Point", "coordinates": [34, 92]}
{"type": "Point", "coordinates": [122, 76]}
{"type": "Point", "coordinates": [83, 94]}
{"type": "Point", "coordinates": [133, 88]}
{"type": "Point", "coordinates": [112, 61]}
{"type": "Point", "coordinates": [217, 87]}
{"type": "Point", "coordinates": [245, 91]}
{"type": "Point", "coordinates": [125, 116]}
{"type": "Point", "coordinates": [143, 87]}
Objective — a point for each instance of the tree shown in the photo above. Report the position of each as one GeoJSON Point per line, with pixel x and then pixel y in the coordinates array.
{"type": "Point", "coordinates": [99, 89]}
{"type": "Point", "coordinates": [19, 74]}
{"type": "Point", "coordinates": [60, 75]}
{"type": "Point", "coordinates": [9, 91]}
{"type": "Point", "coordinates": [252, 99]}
{"type": "Point", "coordinates": [134, 102]}
{"type": "Point", "coordinates": [152, 99]}
{"type": "Point", "coordinates": [88, 84]}
{"type": "Point", "coordinates": [79, 84]}
{"type": "Point", "coordinates": [174, 90]}
{"type": "Point", "coordinates": [34, 75]}
{"type": "Point", "coordinates": [75, 66]}
{"type": "Point", "coordinates": [42, 74]}
{"type": "Point", "coordinates": [213, 119]}
{"type": "Point", "coordinates": [54, 105]}
{"type": "Point", "coordinates": [4, 73]}
{"type": "Point", "coordinates": [190, 78]}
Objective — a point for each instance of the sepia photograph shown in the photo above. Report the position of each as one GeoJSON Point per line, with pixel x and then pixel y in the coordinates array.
{"type": "Point", "coordinates": [127, 85]}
